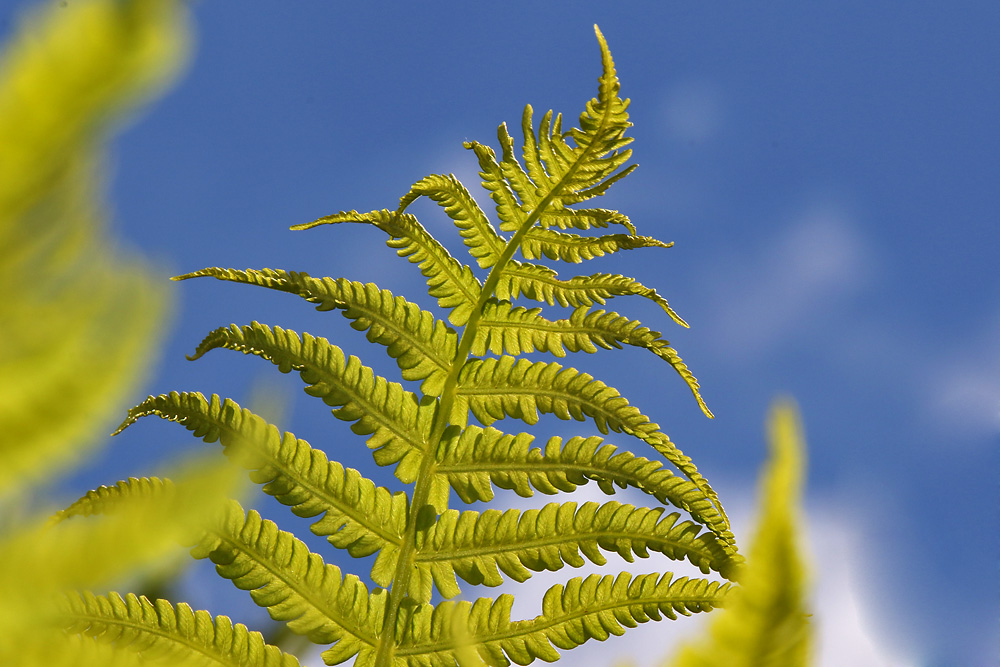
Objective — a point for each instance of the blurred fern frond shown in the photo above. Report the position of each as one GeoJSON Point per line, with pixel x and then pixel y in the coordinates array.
{"type": "Point", "coordinates": [766, 622]}
{"type": "Point", "coordinates": [79, 319]}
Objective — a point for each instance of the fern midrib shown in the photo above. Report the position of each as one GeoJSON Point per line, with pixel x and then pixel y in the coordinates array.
{"type": "Point", "coordinates": [594, 473]}
{"type": "Point", "coordinates": [648, 540]}
{"type": "Point", "coordinates": [563, 327]}
{"type": "Point", "coordinates": [421, 490]}
{"type": "Point", "coordinates": [371, 411]}
{"type": "Point", "coordinates": [425, 347]}
{"type": "Point", "coordinates": [615, 422]}
{"type": "Point", "coordinates": [304, 592]}
{"type": "Point", "coordinates": [181, 639]}
{"type": "Point", "coordinates": [542, 623]}
{"type": "Point", "coordinates": [321, 493]}
{"type": "Point", "coordinates": [441, 258]}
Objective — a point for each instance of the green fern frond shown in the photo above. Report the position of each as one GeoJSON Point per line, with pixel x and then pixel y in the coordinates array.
{"type": "Point", "coordinates": [420, 543]}
{"type": "Point", "coordinates": [292, 583]}
{"type": "Point", "coordinates": [557, 174]}
{"type": "Point", "coordinates": [585, 218]}
{"type": "Point", "coordinates": [505, 328]}
{"type": "Point", "coordinates": [510, 387]}
{"type": "Point", "coordinates": [80, 318]}
{"type": "Point", "coordinates": [540, 283]}
{"type": "Point", "coordinates": [396, 421]}
{"type": "Point", "coordinates": [484, 244]}
{"type": "Point", "coordinates": [159, 631]}
{"type": "Point", "coordinates": [539, 243]}
{"type": "Point", "coordinates": [354, 514]}
{"type": "Point", "coordinates": [452, 282]}
{"type": "Point", "coordinates": [422, 345]}
{"type": "Point", "coordinates": [595, 607]}
{"type": "Point", "coordinates": [767, 621]}
{"type": "Point", "coordinates": [476, 457]}
{"type": "Point", "coordinates": [105, 498]}
{"type": "Point", "coordinates": [41, 560]}
{"type": "Point", "coordinates": [56, 648]}
{"type": "Point", "coordinates": [478, 546]}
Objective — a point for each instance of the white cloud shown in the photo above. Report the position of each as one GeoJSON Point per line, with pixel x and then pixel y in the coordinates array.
{"type": "Point", "coordinates": [765, 300]}
{"type": "Point", "coordinates": [962, 389]}
{"type": "Point", "coordinates": [693, 111]}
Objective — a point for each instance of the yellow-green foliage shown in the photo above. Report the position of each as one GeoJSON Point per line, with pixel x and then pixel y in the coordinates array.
{"type": "Point", "coordinates": [468, 363]}
{"type": "Point", "coordinates": [766, 623]}
{"type": "Point", "coordinates": [80, 323]}
{"type": "Point", "coordinates": [79, 319]}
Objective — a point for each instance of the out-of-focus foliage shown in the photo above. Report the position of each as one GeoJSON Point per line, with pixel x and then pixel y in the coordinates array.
{"type": "Point", "coordinates": [79, 319]}
{"type": "Point", "coordinates": [41, 563]}
{"type": "Point", "coordinates": [765, 623]}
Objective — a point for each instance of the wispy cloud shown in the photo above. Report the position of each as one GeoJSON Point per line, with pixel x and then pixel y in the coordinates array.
{"type": "Point", "coordinates": [962, 390]}
{"type": "Point", "coordinates": [693, 111]}
{"type": "Point", "coordinates": [789, 283]}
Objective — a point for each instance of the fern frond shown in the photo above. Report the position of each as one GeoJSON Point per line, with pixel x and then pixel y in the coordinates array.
{"type": "Point", "coordinates": [595, 607]}
{"type": "Point", "coordinates": [767, 620]}
{"type": "Point", "coordinates": [80, 319]}
{"type": "Point", "coordinates": [505, 328]}
{"type": "Point", "coordinates": [158, 630]}
{"type": "Point", "coordinates": [475, 457]}
{"type": "Point", "coordinates": [540, 283]}
{"type": "Point", "coordinates": [556, 173]}
{"type": "Point", "coordinates": [397, 422]}
{"type": "Point", "coordinates": [40, 560]}
{"type": "Point", "coordinates": [422, 345]}
{"type": "Point", "coordinates": [539, 243]}
{"type": "Point", "coordinates": [105, 498]}
{"type": "Point", "coordinates": [354, 514]}
{"type": "Point", "coordinates": [452, 282]}
{"type": "Point", "coordinates": [477, 546]}
{"type": "Point", "coordinates": [585, 218]}
{"type": "Point", "coordinates": [509, 387]}
{"type": "Point", "coordinates": [484, 244]}
{"type": "Point", "coordinates": [293, 584]}
{"type": "Point", "coordinates": [52, 647]}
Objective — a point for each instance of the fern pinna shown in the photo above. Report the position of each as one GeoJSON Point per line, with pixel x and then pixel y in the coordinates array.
{"type": "Point", "coordinates": [468, 363]}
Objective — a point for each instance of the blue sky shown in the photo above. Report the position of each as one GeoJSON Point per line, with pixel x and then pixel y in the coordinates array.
{"type": "Point", "coordinates": [828, 172]}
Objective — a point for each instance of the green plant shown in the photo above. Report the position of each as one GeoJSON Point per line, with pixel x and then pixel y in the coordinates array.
{"type": "Point", "coordinates": [81, 319]}
{"type": "Point", "coordinates": [766, 621]}
{"type": "Point", "coordinates": [471, 363]}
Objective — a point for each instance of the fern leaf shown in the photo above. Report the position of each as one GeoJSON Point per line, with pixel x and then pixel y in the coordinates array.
{"type": "Point", "coordinates": [505, 328]}
{"type": "Point", "coordinates": [585, 218]}
{"type": "Point", "coordinates": [539, 243]}
{"type": "Point", "coordinates": [104, 498]}
{"type": "Point", "coordinates": [475, 457]}
{"type": "Point", "coordinates": [38, 561]}
{"type": "Point", "coordinates": [80, 320]}
{"type": "Point", "coordinates": [767, 622]}
{"type": "Point", "coordinates": [452, 282]}
{"type": "Point", "coordinates": [293, 584]}
{"type": "Point", "coordinates": [158, 630]}
{"type": "Point", "coordinates": [484, 244]}
{"type": "Point", "coordinates": [422, 345]}
{"type": "Point", "coordinates": [595, 607]}
{"type": "Point", "coordinates": [477, 546]}
{"type": "Point", "coordinates": [556, 173]}
{"type": "Point", "coordinates": [396, 421]}
{"type": "Point", "coordinates": [353, 512]}
{"type": "Point", "coordinates": [540, 283]}
{"type": "Point", "coordinates": [508, 387]}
